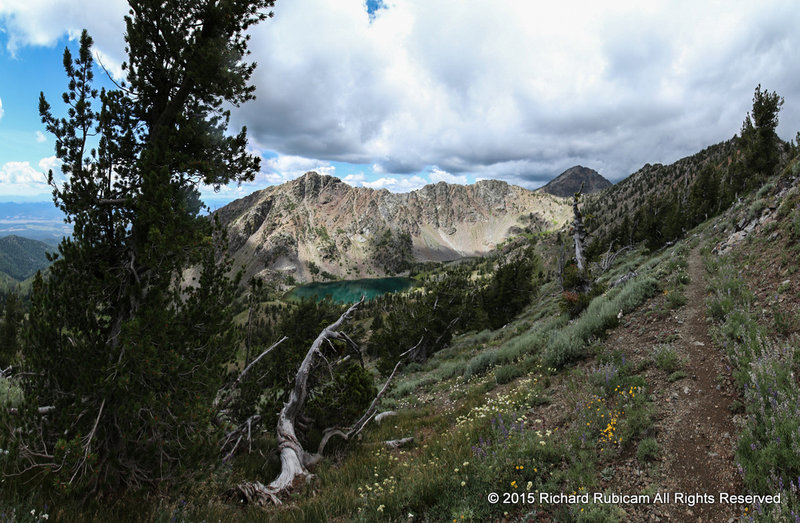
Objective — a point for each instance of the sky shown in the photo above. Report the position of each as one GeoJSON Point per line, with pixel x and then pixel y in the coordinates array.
{"type": "Point", "coordinates": [399, 94]}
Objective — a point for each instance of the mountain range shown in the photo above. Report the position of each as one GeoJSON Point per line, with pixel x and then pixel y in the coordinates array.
{"type": "Point", "coordinates": [319, 225]}
{"type": "Point", "coordinates": [36, 220]}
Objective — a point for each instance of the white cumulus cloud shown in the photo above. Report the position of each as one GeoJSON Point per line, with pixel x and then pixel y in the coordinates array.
{"type": "Point", "coordinates": [21, 173]}
{"type": "Point", "coordinates": [394, 183]}
{"type": "Point", "coordinates": [397, 183]}
{"type": "Point", "coordinates": [22, 179]}
{"type": "Point", "coordinates": [284, 168]}
{"type": "Point", "coordinates": [520, 90]}
{"type": "Point", "coordinates": [51, 163]}
{"type": "Point", "coordinates": [438, 175]}
{"type": "Point", "coordinates": [356, 180]}
{"type": "Point", "coordinates": [43, 22]}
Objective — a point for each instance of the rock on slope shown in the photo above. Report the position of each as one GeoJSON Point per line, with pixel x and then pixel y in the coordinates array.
{"type": "Point", "coordinates": [569, 182]}
{"type": "Point", "coordinates": [320, 224]}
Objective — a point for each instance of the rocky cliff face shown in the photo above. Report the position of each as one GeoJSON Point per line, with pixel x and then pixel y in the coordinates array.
{"type": "Point", "coordinates": [318, 224]}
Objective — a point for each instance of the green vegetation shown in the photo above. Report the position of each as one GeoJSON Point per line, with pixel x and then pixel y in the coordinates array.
{"type": "Point", "coordinates": [453, 302]}
{"type": "Point", "coordinates": [764, 370]}
{"type": "Point", "coordinates": [659, 203]}
{"type": "Point", "coordinates": [391, 250]}
{"type": "Point", "coordinates": [647, 450]}
{"type": "Point", "coordinates": [10, 325]}
{"type": "Point", "coordinates": [677, 375]}
{"type": "Point", "coordinates": [760, 143]}
{"type": "Point", "coordinates": [666, 358]}
{"type": "Point", "coordinates": [676, 300]}
{"type": "Point", "coordinates": [569, 344]}
{"type": "Point", "coordinates": [511, 288]}
{"type": "Point", "coordinates": [20, 258]}
{"type": "Point", "coordinates": [127, 359]}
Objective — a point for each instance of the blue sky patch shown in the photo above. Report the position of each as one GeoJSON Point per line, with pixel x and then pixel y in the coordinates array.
{"type": "Point", "coordinates": [373, 6]}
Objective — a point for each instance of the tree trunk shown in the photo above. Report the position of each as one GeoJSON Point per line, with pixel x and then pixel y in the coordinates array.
{"type": "Point", "coordinates": [578, 234]}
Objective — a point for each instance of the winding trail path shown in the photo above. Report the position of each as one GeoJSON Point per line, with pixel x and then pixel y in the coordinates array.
{"type": "Point", "coordinates": [694, 426]}
{"type": "Point", "coordinates": [699, 439]}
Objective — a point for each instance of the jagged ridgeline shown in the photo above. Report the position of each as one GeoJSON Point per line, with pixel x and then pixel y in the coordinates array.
{"type": "Point", "coordinates": [318, 227]}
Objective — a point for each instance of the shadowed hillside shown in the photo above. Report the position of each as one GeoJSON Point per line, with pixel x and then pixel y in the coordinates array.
{"type": "Point", "coordinates": [20, 257]}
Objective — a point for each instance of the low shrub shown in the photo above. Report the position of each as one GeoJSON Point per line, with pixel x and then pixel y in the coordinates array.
{"type": "Point", "coordinates": [647, 450]}
{"type": "Point", "coordinates": [507, 373]}
{"type": "Point", "coordinates": [451, 368]}
{"type": "Point", "coordinates": [666, 358]}
{"type": "Point", "coordinates": [568, 344]}
{"type": "Point", "coordinates": [10, 394]}
{"type": "Point", "coordinates": [677, 375]}
{"type": "Point", "coordinates": [676, 299]}
{"type": "Point", "coordinates": [480, 363]}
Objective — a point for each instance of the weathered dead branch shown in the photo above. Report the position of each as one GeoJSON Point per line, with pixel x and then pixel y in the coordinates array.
{"type": "Point", "coordinates": [383, 415]}
{"type": "Point", "coordinates": [397, 443]}
{"type": "Point", "coordinates": [608, 258]}
{"type": "Point", "coordinates": [41, 410]}
{"type": "Point", "coordinates": [295, 460]}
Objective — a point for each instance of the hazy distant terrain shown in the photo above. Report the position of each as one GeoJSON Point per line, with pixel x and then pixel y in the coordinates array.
{"type": "Point", "coordinates": [36, 220]}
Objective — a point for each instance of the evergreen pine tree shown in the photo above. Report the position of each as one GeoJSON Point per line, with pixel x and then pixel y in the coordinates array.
{"type": "Point", "coordinates": [9, 330]}
{"type": "Point", "coordinates": [131, 329]}
{"type": "Point", "coordinates": [511, 289]}
{"type": "Point", "coordinates": [760, 143]}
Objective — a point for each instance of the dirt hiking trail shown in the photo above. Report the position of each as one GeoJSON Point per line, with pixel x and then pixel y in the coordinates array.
{"type": "Point", "coordinates": [694, 426]}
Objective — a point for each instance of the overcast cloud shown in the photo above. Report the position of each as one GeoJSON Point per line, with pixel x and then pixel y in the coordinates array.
{"type": "Point", "coordinates": [430, 90]}
{"type": "Point", "coordinates": [516, 90]}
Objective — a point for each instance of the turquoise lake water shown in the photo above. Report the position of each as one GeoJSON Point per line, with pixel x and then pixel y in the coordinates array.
{"type": "Point", "coordinates": [350, 291]}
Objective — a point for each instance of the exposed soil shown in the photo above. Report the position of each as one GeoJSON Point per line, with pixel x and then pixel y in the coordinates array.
{"type": "Point", "coordinates": [695, 429]}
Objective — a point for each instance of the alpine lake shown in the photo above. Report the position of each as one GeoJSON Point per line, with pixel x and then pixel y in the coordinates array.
{"type": "Point", "coordinates": [350, 291]}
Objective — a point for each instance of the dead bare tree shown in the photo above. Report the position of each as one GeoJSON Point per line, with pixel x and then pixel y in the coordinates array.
{"type": "Point", "coordinates": [295, 460]}
{"type": "Point", "coordinates": [225, 398]}
{"type": "Point", "coordinates": [578, 233]}
{"type": "Point", "coordinates": [608, 258]}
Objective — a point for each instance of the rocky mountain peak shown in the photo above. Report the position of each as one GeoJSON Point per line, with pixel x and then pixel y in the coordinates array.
{"type": "Point", "coordinates": [312, 184]}
{"type": "Point", "coordinates": [569, 182]}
